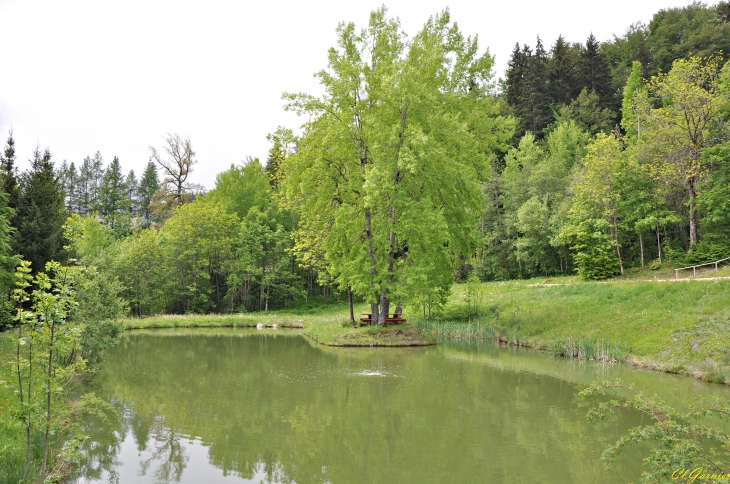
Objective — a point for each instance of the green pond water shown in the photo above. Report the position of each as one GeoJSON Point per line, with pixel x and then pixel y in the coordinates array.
{"type": "Point", "coordinates": [234, 406]}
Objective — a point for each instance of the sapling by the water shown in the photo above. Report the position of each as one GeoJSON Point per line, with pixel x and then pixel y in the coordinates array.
{"type": "Point", "coordinates": [685, 451]}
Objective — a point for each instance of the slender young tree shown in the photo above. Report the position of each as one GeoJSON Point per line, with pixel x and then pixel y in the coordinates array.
{"type": "Point", "coordinates": [148, 186]}
{"type": "Point", "coordinates": [113, 198]}
{"type": "Point", "coordinates": [9, 173]}
{"type": "Point", "coordinates": [132, 195]}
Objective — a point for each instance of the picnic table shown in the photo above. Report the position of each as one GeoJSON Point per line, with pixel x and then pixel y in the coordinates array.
{"type": "Point", "coordinates": [391, 318]}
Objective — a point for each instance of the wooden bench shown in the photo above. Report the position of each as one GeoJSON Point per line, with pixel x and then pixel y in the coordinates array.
{"type": "Point", "coordinates": [393, 318]}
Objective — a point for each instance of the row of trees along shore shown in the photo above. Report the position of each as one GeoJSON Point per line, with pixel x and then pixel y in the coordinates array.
{"type": "Point", "coordinates": [415, 168]}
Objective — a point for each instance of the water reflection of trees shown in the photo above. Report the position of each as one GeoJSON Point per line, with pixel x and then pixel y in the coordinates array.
{"type": "Point", "coordinates": [168, 451]}
{"type": "Point", "coordinates": [295, 414]}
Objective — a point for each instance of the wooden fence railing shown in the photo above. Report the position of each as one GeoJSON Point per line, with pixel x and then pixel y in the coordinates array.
{"type": "Point", "coordinates": [694, 268]}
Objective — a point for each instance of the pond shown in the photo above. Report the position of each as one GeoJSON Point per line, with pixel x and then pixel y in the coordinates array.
{"type": "Point", "coordinates": [237, 406]}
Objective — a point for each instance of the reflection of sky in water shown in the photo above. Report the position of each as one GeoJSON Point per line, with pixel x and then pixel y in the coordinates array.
{"type": "Point", "coordinates": [184, 461]}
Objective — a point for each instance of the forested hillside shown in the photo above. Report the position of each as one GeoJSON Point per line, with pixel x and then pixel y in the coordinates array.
{"type": "Point", "coordinates": [415, 168]}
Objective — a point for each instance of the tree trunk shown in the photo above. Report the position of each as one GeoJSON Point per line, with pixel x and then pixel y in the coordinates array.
{"type": "Point", "coordinates": [659, 242]}
{"type": "Point", "coordinates": [349, 303]}
{"type": "Point", "coordinates": [641, 244]}
{"type": "Point", "coordinates": [693, 237]}
{"type": "Point", "coordinates": [373, 268]}
{"type": "Point", "coordinates": [618, 248]}
{"type": "Point", "coordinates": [48, 404]}
{"type": "Point", "coordinates": [384, 306]}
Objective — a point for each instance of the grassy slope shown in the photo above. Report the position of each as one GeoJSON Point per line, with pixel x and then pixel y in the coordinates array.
{"type": "Point", "coordinates": [672, 326]}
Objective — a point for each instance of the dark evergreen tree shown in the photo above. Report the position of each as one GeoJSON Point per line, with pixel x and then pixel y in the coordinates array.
{"type": "Point", "coordinates": [535, 102]}
{"type": "Point", "coordinates": [132, 193]}
{"type": "Point", "coordinates": [148, 186]}
{"type": "Point", "coordinates": [112, 193]}
{"type": "Point", "coordinates": [69, 182]}
{"type": "Point", "coordinates": [10, 179]}
{"type": "Point", "coordinates": [41, 214]}
{"type": "Point", "coordinates": [516, 71]}
{"type": "Point", "coordinates": [562, 72]}
{"type": "Point", "coordinates": [89, 180]}
{"type": "Point", "coordinates": [595, 73]}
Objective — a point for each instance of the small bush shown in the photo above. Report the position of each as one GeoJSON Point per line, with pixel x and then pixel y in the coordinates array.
{"type": "Point", "coordinates": [655, 265]}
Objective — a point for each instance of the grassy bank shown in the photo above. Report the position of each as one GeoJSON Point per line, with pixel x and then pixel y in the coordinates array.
{"type": "Point", "coordinates": [325, 324]}
{"type": "Point", "coordinates": [681, 327]}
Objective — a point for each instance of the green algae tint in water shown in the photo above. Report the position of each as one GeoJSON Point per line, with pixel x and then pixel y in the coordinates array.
{"type": "Point", "coordinates": [231, 407]}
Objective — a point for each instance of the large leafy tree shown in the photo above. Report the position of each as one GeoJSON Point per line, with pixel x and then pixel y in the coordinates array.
{"type": "Point", "coordinates": [388, 171]}
{"type": "Point", "coordinates": [40, 213]}
{"type": "Point", "coordinates": [689, 119]}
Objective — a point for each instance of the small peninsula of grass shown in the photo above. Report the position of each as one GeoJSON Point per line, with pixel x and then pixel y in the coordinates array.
{"type": "Point", "coordinates": [326, 324]}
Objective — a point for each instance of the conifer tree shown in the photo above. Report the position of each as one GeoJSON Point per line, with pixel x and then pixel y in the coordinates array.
{"type": "Point", "coordinates": [132, 186]}
{"type": "Point", "coordinates": [89, 180]}
{"type": "Point", "coordinates": [69, 182]}
{"type": "Point", "coordinates": [535, 102]}
{"type": "Point", "coordinates": [595, 73]}
{"type": "Point", "coordinates": [148, 186]}
{"type": "Point", "coordinates": [112, 194]}
{"type": "Point", "coordinates": [516, 70]}
{"type": "Point", "coordinates": [41, 213]}
{"type": "Point", "coordinates": [10, 179]}
{"type": "Point", "coordinates": [562, 72]}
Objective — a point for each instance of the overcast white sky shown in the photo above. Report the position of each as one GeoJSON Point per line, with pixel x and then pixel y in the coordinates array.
{"type": "Point", "coordinates": [81, 76]}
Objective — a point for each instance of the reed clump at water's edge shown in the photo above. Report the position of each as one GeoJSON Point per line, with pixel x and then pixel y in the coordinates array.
{"type": "Point", "coordinates": [584, 349]}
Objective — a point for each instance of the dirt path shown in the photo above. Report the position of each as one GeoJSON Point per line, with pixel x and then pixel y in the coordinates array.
{"type": "Point", "coordinates": [684, 279]}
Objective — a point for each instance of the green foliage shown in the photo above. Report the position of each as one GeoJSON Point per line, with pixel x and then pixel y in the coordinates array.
{"type": "Point", "coordinates": [194, 244]}
{"type": "Point", "coordinates": [631, 108]}
{"type": "Point", "coordinates": [138, 265]}
{"type": "Point", "coordinates": [587, 113]}
{"type": "Point", "coordinates": [148, 186]}
{"type": "Point", "coordinates": [88, 237]}
{"type": "Point", "coordinates": [386, 179]}
{"type": "Point", "coordinates": [709, 249]}
{"type": "Point", "coordinates": [683, 450]}
{"type": "Point", "coordinates": [595, 257]}
{"type": "Point", "coordinates": [263, 268]}
{"type": "Point", "coordinates": [241, 188]}
{"type": "Point", "coordinates": [41, 213]}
